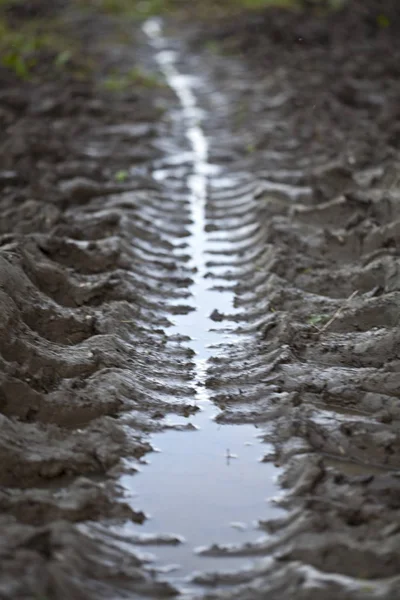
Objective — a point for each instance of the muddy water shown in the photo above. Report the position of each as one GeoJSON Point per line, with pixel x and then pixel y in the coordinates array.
{"type": "Point", "coordinates": [207, 484]}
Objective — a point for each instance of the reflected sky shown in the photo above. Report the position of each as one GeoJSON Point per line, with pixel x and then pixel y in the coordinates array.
{"type": "Point", "coordinates": [207, 485]}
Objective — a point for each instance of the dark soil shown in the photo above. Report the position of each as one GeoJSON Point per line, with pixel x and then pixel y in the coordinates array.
{"type": "Point", "coordinates": [89, 283]}
{"type": "Point", "coordinates": [315, 106]}
{"type": "Point", "coordinates": [85, 280]}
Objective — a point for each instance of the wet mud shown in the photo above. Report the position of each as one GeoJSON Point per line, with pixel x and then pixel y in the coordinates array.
{"type": "Point", "coordinates": [98, 276]}
{"type": "Point", "coordinates": [316, 284]}
{"type": "Point", "coordinates": [89, 282]}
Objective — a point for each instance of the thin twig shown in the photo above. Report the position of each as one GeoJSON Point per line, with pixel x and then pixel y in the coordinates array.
{"type": "Point", "coordinates": [337, 313]}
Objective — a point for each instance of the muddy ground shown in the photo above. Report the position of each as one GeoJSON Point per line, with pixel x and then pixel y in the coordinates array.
{"type": "Point", "coordinates": [90, 284]}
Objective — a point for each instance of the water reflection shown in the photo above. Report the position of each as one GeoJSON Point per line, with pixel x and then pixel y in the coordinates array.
{"type": "Point", "coordinates": [207, 484]}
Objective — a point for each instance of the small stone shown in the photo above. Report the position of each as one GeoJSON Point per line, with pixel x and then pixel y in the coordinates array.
{"type": "Point", "coordinates": [216, 315]}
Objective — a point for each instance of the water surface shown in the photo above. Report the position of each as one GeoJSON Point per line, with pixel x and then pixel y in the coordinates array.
{"type": "Point", "coordinates": [207, 485]}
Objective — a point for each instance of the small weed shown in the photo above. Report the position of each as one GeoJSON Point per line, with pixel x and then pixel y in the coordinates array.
{"type": "Point", "coordinates": [213, 46]}
{"type": "Point", "coordinates": [127, 8]}
{"type": "Point", "coordinates": [35, 42]}
{"type": "Point", "coordinates": [143, 79]}
{"type": "Point", "coordinates": [383, 21]}
{"type": "Point", "coordinates": [121, 176]}
{"type": "Point", "coordinates": [18, 49]}
{"type": "Point", "coordinates": [144, 9]}
{"type": "Point", "coordinates": [250, 148]}
{"type": "Point", "coordinates": [62, 58]}
{"type": "Point", "coordinates": [115, 84]}
{"type": "Point", "coordinates": [16, 63]}
{"type": "Point", "coordinates": [317, 319]}
{"type": "Point", "coordinates": [121, 82]}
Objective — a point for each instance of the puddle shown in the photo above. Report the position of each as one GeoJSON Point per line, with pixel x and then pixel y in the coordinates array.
{"type": "Point", "coordinates": [208, 485]}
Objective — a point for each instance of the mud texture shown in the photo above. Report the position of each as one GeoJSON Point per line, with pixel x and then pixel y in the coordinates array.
{"type": "Point", "coordinates": [88, 284]}
{"type": "Point", "coordinates": [316, 114]}
{"type": "Point", "coordinates": [305, 111]}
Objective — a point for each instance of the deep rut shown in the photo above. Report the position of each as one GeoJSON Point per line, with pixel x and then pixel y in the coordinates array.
{"type": "Point", "coordinates": [203, 268]}
{"type": "Point", "coordinates": [208, 485]}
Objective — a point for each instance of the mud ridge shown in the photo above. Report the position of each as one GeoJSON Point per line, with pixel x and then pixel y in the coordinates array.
{"type": "Point", "coordinates": [317, 266]}
{"type": "Point", "coordinates": [91, 272]}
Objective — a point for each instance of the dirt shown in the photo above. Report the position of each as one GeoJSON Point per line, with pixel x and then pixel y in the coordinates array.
{"type": "Point", "coordinates": [316, 114]}
{"type": "Point", "coordinates": [86, 274]}
{"type": "Point", "coordinates": [93, 269]}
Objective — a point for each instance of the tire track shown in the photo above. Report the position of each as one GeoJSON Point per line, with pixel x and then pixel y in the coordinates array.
{"type": "Point", "coordinates": [98, 352]}
{"type": "Point", "coordinates": [325, 397]}
{"type": "Point", "coordinates": [210, 476]}
{"type": "Point", "coordinates": [91, 274]}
